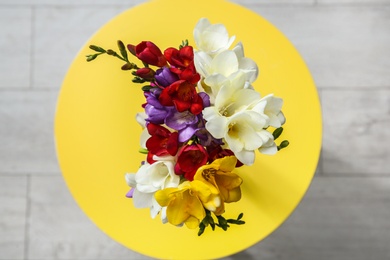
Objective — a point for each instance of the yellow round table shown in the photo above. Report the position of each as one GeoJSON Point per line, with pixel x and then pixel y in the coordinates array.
{"type": "Point", "coordinates": [97, 137]}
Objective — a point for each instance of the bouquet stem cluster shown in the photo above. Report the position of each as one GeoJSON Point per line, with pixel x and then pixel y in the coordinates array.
{"type": "Point", "coordinates": [202, 119]}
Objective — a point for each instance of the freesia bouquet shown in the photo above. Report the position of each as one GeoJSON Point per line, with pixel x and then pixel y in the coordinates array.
{"type": "Point", "coordinates": [202, 119]}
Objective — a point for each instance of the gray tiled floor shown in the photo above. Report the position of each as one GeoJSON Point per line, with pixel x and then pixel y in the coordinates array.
{"type": "Point", "coordinates": [345, 212]}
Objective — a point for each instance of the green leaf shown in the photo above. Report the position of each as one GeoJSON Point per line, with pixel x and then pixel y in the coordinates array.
{"type": "Point", "coordinates": [201, 228]}
{"type": "Point", "coordinates": [222, 222]}
{"type": "Point", "coordinates": [212, 224]}
{"type": "Point", "coordinates": [183, 43]}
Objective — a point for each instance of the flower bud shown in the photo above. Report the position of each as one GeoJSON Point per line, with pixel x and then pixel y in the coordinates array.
{"type": "Point", "coordinates": [149, 53]}
{"type": "Point", "coordinates": [145, 73]}
{"type": "Point", "coordinates": [127, 66]}
{"type": "Point", "coordinates": [131, 49]}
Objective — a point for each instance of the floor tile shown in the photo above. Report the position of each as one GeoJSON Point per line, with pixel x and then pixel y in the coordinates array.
{"type": "Point", "coordinates": [60, 32]}
{"type": "Point", "coordinates": [356, 131]}
{"type": "Point", "coordinates": [70, 2]}
{"type": "Point", "coordinates": [60, 230]}
{"type": "Point", "coordinates": [26, 131]}
{"type": "Point", "coordinates": [343, 46]}
{"type": "Point", "coordinates": [13, 201]}
{"type": "Point", "coordinates": [339, 218]}
{"type": "Point", "coordinates": [249, 3]}
{"type": "Point", "coordinates": [354, 2]}
{"type": "Point", "coordinates": [15, 43]}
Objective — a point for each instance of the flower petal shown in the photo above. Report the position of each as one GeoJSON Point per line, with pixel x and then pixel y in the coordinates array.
{"type": "Point", "coordinates": [183, 207]}
{"type": "Point", "coordinates": [239, 50]}
{"type": "Point", "coordinates": [246, 157]}
{"type": "Point", "coordinates": [202, 62]}
{"type": "Point", "coordinates": [130, 179]}
{"type": "Point", "coordinates": [142, 200]}
{"type": "Point", "coordinates": [179, 120]}
{"type": "Point", "coordinates": [163, 197]}
{"type": "Point", "coordinates": [227, 163]}
{"type": "Point", "coordinates": [234, 142]}
{"type": "Point", "coordinates": [250, 68]}
{"type": "Point", "coordinates": [211, 38]}
{"type": "Point", "coordinates": [225, 63]}
{"type": "Point", "coordinates": [155, 208]}
{"type": "Point", "coordinates": [216, 124]}
{"type": "Point", "coordinates": [186, 133]}
{"type": "Point", "coordinates": [269, 150]}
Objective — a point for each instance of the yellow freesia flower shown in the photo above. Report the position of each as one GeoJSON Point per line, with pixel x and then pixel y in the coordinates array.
{"type": "Point", "coordinates": [186, 203]}
{"type": "Point", "coordinates": [219, 174]}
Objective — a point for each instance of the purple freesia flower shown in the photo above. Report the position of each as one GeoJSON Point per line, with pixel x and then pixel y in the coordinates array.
{"type": "Point", "coordinates": [187, 133]}
{"type": "Point", "coordinates": [188, 125]}
{"type": "Point", "coordinates": [184, 122]}
{"type": "Point", "coordinates": [180, 120]}
{"type": "Point", "coordinates": [164, 77]}
{"type": "Point", "coordinates": [205, 98]}
{"type": "Point", "coordinates": [130, 193]}
{"type": "Point", "coordinates": [155, 115]}
{"type": "Point", "coordinates": [152, 97]}
{"type": "Point", "coordinates": [156, 112]}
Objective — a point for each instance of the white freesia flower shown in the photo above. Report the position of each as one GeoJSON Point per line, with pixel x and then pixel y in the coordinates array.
{"type": "Point", "coordinates": [225, 63]}
{"type": "Point", "coordinates": [240, 116]}
{"type": "Point", "coordinates": [269, 147]}
{"type": "Point", "coordinates": [273, 110]}
{"type": "Point", "coordinates": [149, 179]}
{"type": "Point", "coordinates": [243, 132]}
{"type": "Point", "coordinates": [235, 95]}
{"type": "Point", "coordinates": [140, 117]}
{"type": "Point", "coordinates": [223, 67]}
{"type": "Point", "coordinates": [215, 62]}
{"type": "Point", "coordinates": [211, 38]}
{"type": "Point", "coordinates": [247, 65]}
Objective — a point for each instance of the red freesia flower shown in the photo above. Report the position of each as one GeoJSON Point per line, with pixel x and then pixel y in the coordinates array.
{"type": "Point", "coordinates": [183, 63]}
{"type": "Point", "coordinates": [162, 142]}
{"type": "Point", "coordinates": [190, 158]}
{"type": "Point", "coordinates": [180, 58]}
{"type": "Point", "coordinates": [182, 94]}
{"type": "Point", "coordinates": [149, 53]}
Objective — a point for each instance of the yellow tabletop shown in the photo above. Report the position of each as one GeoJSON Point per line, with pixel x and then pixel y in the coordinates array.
{"type": "Point", "coordinates": [97, 136]}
